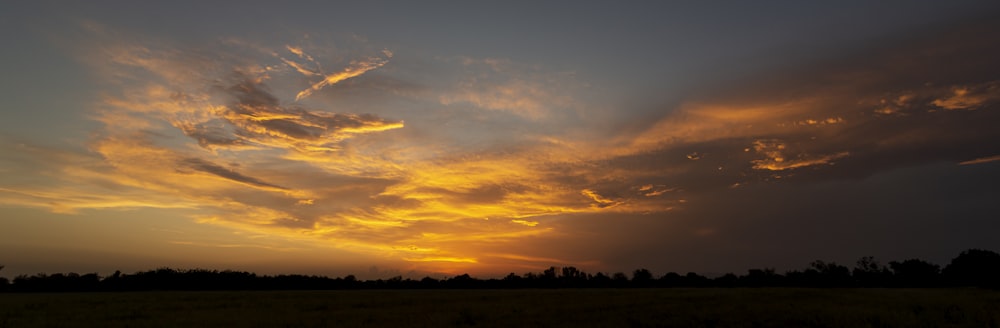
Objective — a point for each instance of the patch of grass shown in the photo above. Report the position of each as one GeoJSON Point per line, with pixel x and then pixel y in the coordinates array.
{"type": "Point", "coordinates": [769, 307]}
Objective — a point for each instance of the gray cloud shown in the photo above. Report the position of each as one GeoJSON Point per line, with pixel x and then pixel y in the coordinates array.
{"type": "Point", "coordinates": [907, 103]}
{"type": "Point", "coordinates": [228, 173]}
{"type": "Point", "coordinates": [851, 157]}
{"type": "Point", "coordinates": [797, 162]}
{"type": "Point", "coordinates": [257, 118]}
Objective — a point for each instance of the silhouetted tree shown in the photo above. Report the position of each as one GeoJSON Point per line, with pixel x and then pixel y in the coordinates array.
{"type": "Point", "coordinates": [428, 282]}
{"type": "Point", "coordinates": [642, 278]}
{"type": "Point", "coordinates": [549, 273]}
{"type": "Point", "coordinates": [726, 280]}
{"type": "Point", "coordinates": [695, 280]}
{"type": "Point", "coordinates": [869, 273]}
{"type": "Point", "coordinates": [970, 268]}
{"type": "Point", "coordinates": [462, 281]}
{"type": "Point", "coordinates": [761, 278]}
{"type": "Point", "coordinates": [572, 277]}
{"type": "Point", "coordinates": [512, 280]}
{"type": "Point", "coordinates": [831, 274]}
{"type": "Point", "coordinates": [572, 273]}
{"type": "Point", "coordinates": [619, 280]}
{"type": "Point", "coordinates": [915, 273]}
{"type": "Point", "coordinates": [394, 283]}
{"type": "Point", "coordinates": [600, 280]}
{"type": "Point", "coordinates": [974, 267]}
{"type": "Point", "coordinates": [672, 279]}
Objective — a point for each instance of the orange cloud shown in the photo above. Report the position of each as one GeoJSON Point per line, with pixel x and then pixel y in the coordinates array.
{"type": "Point", "coordinates": [599, 201]}
{"type": "Point", "coordinates": [694, 122]}
{"type": "Point", "coordinates": [525, 222]}
{"type": "Point", "coordinates": [355, 69]}
{"type": "Point", "coordinates": [238, 156]}
{"type": "Point", "coordinates": [969, 97]}
{"type": "Point", "coordinates": [775, 158]}
{"type": "Point", "coordinates": [225, 139]}
{"type": "Point", "coordinates": [653, 191]}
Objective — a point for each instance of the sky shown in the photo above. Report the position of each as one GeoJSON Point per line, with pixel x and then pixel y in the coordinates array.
{"type": "Point", "coordinates": [438, 138]}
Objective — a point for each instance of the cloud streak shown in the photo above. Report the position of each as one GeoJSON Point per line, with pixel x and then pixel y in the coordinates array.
{"type": "Point", "coordinates": [354, 69]}
{"type": "Point", "coordinates": [981, 160]}
{"type": "Point", "coordinates": [227, 173]}
{"type": "Point", "coordinates": [258, 118]}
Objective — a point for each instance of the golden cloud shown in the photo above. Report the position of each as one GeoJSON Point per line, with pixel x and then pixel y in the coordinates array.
{"type": "Point", "coordinates": [969, 97]}
{"type": "Point", "coordinates": [776, 158]}
{"type": "Point", "coordinates": [224, 135]}
{"type": "Point", "coordinates": [355, 69]}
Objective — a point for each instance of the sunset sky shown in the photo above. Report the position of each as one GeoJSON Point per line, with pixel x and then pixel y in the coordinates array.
{"type": "Point", "coordinates": [437, 138]}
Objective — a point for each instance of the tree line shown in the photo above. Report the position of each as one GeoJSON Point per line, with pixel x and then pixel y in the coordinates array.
{"type": "Point", "coordinates": [971, 268]}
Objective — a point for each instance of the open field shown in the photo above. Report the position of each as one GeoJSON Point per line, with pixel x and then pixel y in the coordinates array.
{"type": "Point", "coordinates": [773, 307]}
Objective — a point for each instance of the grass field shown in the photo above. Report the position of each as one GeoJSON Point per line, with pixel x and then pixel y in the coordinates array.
{"type": "Point", "coordinates": [773, 307]}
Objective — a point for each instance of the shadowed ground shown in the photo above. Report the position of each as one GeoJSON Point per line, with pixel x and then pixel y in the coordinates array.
{"type": "Point", "coordinates": [770, 307]}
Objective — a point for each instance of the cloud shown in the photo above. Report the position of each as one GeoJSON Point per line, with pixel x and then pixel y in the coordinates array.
{"type": "Point", "coordinates": [525, 222]}
{"type": "Point", "coordinates": [653, 191]}
{"type": "Point", "coordinates": [500, 85]}
{"type": "Point", "coordinates": [970, 97]}
{"type": "Point", "coordinates": [257, 118]}
{"type": "Point", "coordinates": [228, 173]}
{"type": "Point", "coordinates": [599, 201]}
{"type": "Point", "coordinates": [496, 154]}
{"type": "Point", "coordinates": [68, 181]}
{"type": "Point", "coordinates": [899, 105]}
{"type": "Point", "coordinates": [217, 131]}
{"type": "Point", "coordinates": [354, 69]}
{"type": "Point", "coordinates": [981, 160]}
{"type": "Point", "coordinates": [776, 158]}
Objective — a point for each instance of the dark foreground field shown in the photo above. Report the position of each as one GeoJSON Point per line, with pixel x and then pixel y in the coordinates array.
{"type": "Point", "coordinates": [511, 308]}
